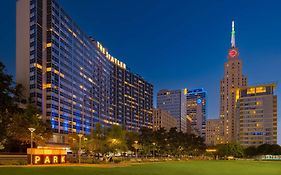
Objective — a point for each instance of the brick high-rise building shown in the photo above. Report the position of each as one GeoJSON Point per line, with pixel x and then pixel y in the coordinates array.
{"type": "Point", "coordinates": [213, 132]}
{"type": "Point", "coordinates": [232, 80]}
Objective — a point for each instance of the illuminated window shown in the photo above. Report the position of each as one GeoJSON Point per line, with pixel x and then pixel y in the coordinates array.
{"type": "Point", "coordinates": [49, 44]}
{"type": "Point", "coordinates": [260, 89]}
{"type": "Point", "coordinates": [250, 90]}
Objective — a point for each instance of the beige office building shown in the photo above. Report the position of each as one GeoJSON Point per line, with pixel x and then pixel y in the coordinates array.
{"type": "Point", "coordinates": [257, 115]}
{"type": "Point", "coordinates": [233, 79]}
{"type": "Point", "coordinates": [162, 119]}
{"type": "Point", "coordinates": [213, 132]}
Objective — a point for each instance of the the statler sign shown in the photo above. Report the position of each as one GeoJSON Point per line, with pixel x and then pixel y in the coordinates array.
{"type": "Point", "coordinates": [40, 156]}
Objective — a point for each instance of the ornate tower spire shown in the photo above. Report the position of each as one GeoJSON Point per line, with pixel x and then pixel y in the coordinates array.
{"type": "Point", "coordinates": [233, 36]}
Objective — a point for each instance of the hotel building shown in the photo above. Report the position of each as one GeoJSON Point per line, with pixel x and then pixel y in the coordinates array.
{"type": "Point", "coordinates": [174, 102]}
{"type": "Point", "coordinates": [71, 77]}
{"type": "Point", "coordinates": [162, 119]}
{"type": "Point", "coordinates": [257, 115]}
{"type": "Point", "coordinates": [196, 109]}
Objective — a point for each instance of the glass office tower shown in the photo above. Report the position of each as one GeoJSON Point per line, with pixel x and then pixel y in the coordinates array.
{"type": "Point", "coordinates": [196, 109]}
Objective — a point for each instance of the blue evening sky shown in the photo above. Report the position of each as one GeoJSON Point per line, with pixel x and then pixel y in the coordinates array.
{"type": "Point", "coordinates": [175, 43]}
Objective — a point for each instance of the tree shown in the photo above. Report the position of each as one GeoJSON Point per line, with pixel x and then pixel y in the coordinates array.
{"type": "Point", "coordinates": [132, 141]}
{"type": "Point", "coordinates": [7, 105]}
{"type": "Point", "coordinates": [250, 151]}
{"type": "Point", "coordinates": [73, 141]}
{"type": "Point", "coordinates": [17, 129]}
{"type": "Point", "coordinates": [116, 139]}
{"type": "Point", "coordinates": [235, 150]}
{"type": "Point", "coordinates": [15, 121]}
{"type": "Point", "coordinates": [268, 149]}
{"type": "Point", "coordinates": [96, 143]}
{"type": "Point", "coordinates": [146, 139]}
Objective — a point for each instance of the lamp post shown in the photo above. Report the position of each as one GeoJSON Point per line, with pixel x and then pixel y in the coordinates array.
{"type": "Point", "coordinates": [79, 152]}
{"type": "Point", "coordinates": [31, 142]}
{"type": "Point", "coordinates": [153, 149]}
{"type": "Point", "coordinates": [136, 147]}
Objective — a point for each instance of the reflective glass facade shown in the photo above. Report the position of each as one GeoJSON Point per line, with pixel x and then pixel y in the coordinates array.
{"type": "Point", "coordinates": [196, 109]}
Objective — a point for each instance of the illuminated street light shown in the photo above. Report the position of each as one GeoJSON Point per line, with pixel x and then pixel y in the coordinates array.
{"type": "Point", "coordinates": [153, 149]}
{"type": "Point", "coordinates": [79, 152]}
{"type": "Point", "coordinates": [136, 147]}
{"type": "Point", "coordinates": [31, 142]}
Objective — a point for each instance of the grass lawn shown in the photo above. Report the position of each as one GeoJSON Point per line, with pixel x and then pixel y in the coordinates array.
{"type": "Point", "coordinates": [168, 168]}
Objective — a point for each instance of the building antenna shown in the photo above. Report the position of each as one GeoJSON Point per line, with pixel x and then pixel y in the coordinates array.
{"type": "Point", "coordinates": [233, 35]}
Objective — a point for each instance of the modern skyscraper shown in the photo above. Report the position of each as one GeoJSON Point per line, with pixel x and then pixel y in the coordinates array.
{"type": "Point", "coordinates": [71, 77]}
{"type": "Point", "coordinates": [163, 119]}
{"type": "Point", "coordinates": [257, 115]}
{"type": "Point", "coordinates": [196, 109]}
{"type": "Point", "coordinates": [174, 102]}
{"type": "Point", "coordinates": [233, 79]}
{"type": "Point", "coordinates": [213, 132]}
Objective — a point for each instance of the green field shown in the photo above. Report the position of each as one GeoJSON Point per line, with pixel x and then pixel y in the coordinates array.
{"type": "Point", "coordinates": [170, 168]}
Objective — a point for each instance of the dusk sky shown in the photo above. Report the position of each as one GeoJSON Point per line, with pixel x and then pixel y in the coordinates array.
{"type": "Point", "coordinates": [175, 44]}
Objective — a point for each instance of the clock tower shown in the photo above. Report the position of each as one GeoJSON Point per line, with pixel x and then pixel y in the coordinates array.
{"type": "Point", "coordinates": [232, 80]}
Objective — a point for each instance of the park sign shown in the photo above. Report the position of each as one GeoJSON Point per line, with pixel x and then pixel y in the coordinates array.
{"type": "Point", "coordinates": [40, 156]}
{"type": "Point", "coordinates": [270, 157]}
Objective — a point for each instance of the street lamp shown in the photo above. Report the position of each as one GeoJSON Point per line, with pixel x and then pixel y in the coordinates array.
{"type": "Point", "coordinates": [153, 149]}
{"type": "Point", "coordinates": [136, 147]}
{"type": "Point", "coordinates": [31, 142]}
{"type": "Point", "coordinates": [79, 152]}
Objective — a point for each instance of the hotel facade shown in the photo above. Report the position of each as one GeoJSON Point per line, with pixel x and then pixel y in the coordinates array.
{"type": "Point", "coordinates": [71, 77]}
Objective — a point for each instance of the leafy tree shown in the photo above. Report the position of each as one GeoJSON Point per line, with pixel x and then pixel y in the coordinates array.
{"type": "Point", "coordinates": [116, 139]}
{"type": "Point", "coordinates": [250, 151]}
{"type": "Point", "coordinates": [7, 105]}
{"type": "Point", "coordinates": [132, 141]}
{"type": "Point", "coordinates": [235, 150]}
{"type": "Point", "coordinates": [268, 149]}
{"type": "Point", "coordinates": [96, 142]}
{"type": "Point", "coordinates": [15, 121]}
{"type": "Point", "coordinates": [73, 141]}
{"type": "Point", "coordinates": [17, 129]}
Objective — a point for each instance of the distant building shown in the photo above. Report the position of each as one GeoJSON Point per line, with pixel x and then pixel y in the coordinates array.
{"type": "Point", "coordinates": [163, 119]}
{"type": "Point", "coordinates": [71, 77]}
{"type": "Point", "coordinates": [256, 109]}
{"type": "Point", "coordinates": [173, 101]}
{"type": "Point", "coordinates": [196, 109]}
{"type": "Point", "coordinates": [213, 132]}
{"type": "Point", "coordinates": [188, 125]}
{"type": "Point", "coordinates": [233, 79]}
